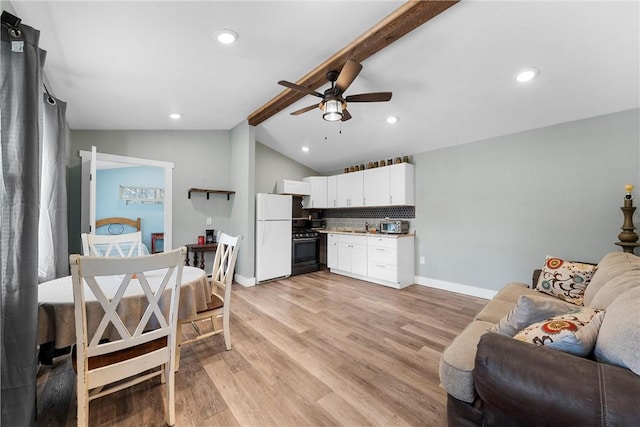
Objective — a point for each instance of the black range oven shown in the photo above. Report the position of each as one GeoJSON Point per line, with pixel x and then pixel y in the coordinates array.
{"type": "Point", "coordinates": [304, 248]}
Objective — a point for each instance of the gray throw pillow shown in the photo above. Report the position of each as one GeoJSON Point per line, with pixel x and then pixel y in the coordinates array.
{"type": "Point", "coordinates": [619, 338]}
{"type": "Point", "coordinates": [530, 309]}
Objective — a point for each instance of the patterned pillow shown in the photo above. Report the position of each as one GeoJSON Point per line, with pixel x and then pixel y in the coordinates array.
{"type": "Point", "coordinates": [565, 280]}
{"type": "Point", "coordinates": [575, 332]}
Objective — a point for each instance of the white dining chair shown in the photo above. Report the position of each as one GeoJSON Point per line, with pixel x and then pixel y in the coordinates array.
{"type": "Point", "coordinates": [224, 265]}
{"type": "Point", "coordinates": [119, 245]}
{"type": "Point", "coordinates": [146, 346]}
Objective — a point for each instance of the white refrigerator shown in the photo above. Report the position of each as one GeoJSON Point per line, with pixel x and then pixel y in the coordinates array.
{"type": "Point", "coordinates": [273, 236]}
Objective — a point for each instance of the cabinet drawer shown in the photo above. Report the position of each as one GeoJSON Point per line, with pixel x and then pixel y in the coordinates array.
{"type": "Point", "coordinates": [385, 242]}
{"type": "Point", "coordinates": [353, 240]}
{"type": "Point", "coordinates": [383, 271]}
{"type": "Point", "coordinates": [382, 255]}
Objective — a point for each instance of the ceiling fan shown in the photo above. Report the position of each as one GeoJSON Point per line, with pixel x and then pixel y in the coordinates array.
{"type": "Point", "coordinates": [333, 104]}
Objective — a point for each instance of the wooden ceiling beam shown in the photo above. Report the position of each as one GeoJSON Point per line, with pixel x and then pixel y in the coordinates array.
{"type": "Point", "coordinates": [406, 18]}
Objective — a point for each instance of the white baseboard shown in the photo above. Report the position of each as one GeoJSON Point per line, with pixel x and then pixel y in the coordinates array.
{"type": "Point", "coordinates": [247, 282]}
{"type": "Point", "coordinates": [456, 287]}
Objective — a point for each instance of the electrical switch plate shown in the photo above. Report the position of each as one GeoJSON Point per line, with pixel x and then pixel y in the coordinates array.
{"type": "Point", "coordinates": [208, 220]}
{"type": "Point", "coordinates": [421, 260]}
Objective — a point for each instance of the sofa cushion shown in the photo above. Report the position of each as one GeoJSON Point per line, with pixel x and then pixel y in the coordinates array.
{"type": "Point", "coordinates": [458, 360]}
{"type": "Point", "coordinates": [575, 332]}
{"type": "Point", "coordinates": [614, 288]}
{"type": "Point", "coordinates": [564, 279]}
{"type": "Point", "coordinates": [512, 292]}
{"type": "Point", "coordinates": [612, 265]}
{"type": "Point", "coordinates": [619, 338]}
{"type": "Point", "coordinates": [495, 310]}
{"type": "Point", "coordinates": [530, 309]}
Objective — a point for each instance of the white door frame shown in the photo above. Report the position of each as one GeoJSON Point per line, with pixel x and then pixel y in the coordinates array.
{"type": "Point", "coordinates": [86, 197]}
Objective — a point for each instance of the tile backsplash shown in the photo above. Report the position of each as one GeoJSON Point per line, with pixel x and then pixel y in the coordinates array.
{"type": "Point", "coordinates": [356, 218]}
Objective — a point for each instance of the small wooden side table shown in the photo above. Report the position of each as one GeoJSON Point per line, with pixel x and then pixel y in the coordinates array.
{"type": "Point", "coordinates": [198, 253]}
{"type": "Point", "coordinates": [156, 246]}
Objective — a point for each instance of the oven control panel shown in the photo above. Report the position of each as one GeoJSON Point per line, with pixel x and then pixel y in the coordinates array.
{"type": "Point", "coordinates": [305, 234]}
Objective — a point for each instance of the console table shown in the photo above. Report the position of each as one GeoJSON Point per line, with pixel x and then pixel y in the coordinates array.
{"type": "Point", "coordinates": [198, 253]}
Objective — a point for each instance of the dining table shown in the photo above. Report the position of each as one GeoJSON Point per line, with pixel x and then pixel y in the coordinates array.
{"type": "Point", "coordinates": [56, 320]}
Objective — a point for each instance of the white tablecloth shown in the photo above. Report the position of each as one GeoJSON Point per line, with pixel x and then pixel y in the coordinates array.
{"type": "Point", "coordinates": [56, 321]}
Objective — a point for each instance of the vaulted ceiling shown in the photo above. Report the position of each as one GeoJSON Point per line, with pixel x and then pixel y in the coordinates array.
{"type": "Point", "coordinates": [129, 64]}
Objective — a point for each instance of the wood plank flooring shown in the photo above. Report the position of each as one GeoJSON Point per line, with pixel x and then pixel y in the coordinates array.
{"type": "Point", "coordinates": [312, 350]}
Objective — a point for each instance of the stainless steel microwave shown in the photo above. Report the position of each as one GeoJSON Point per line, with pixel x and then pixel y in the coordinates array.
{"type": "Point", "coordinates": [394, 227]}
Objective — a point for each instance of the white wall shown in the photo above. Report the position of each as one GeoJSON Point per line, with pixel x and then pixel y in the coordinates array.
{"type": "Point", "coordinates": [489, 212]}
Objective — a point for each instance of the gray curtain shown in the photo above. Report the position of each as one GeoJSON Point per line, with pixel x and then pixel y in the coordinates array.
{"type": "Point", "coordinates": [20, 99]}
{"type": "Point", "coordinates": [53, 258]}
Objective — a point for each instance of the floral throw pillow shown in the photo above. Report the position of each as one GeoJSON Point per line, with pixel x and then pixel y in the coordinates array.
{"type": "Point", "coordinates": [565, 280]}
{"type": "Point", "coordinates": [575, 332]}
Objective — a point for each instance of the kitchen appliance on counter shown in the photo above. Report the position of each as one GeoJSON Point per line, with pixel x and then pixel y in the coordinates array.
{"type": "Point", "coordinates": [305, 248]}
{"type": "Point", "coordinates": [273, 236]}
{"type": "Point", "coordinates": [394, 227]}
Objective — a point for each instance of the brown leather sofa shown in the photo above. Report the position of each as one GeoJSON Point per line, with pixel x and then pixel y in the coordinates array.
{"type": "Point", "coordinates": [519, 384]}
{"type": "Point", "coordinates": [507, 382]}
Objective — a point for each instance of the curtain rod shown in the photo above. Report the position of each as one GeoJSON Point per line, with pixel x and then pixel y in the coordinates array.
{"type": "Point", "coordinates": [13, 22]}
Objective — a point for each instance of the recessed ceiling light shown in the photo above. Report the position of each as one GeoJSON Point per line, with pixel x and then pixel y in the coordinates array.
{"type": "Point", "coordinates": [392, 119]}
{"type": "Point", "coordinates": [175, 116]}
{"type": "Point", "coordinates": [526, 75]}
{"type": "Point", "coordinates": [305, 149]}
{"type": "Point", "coordinates": [226, 36]}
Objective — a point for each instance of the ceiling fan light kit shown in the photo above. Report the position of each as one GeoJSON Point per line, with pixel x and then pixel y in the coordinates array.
{"type": "Point", "coordinates": [332, 110]}
{"type": "Point", "coordinates": [333, 104]}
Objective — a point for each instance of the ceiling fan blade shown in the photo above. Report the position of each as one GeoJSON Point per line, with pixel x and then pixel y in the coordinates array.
{"type": "Point", "coordinates": [305, 109]}
{"type": "Point", "coordinates": [347, 75]}
{"type": "Point", "coordinates": [369, 97]}
{"type": "Point", "coordinates": [299, 88]}
{"type": "Point", "coordinates": [345, 115]}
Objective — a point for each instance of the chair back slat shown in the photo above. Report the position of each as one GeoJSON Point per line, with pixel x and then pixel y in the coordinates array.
{"type": "Point", "coordinates": [155, 277]}
{"type": "Point", "coordinates": [117, 245]}
{"type": "Point", "coordinates": [225, 261]}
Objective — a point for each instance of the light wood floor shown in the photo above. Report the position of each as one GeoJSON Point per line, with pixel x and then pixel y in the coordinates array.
{"type": "Point", "coordinates": [313, 350]}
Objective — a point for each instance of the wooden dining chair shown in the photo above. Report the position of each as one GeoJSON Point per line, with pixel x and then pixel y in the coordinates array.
{"type": "Point", "coordinates": [224, 265]}
{"type": "Point", "coordinates": [122, 245]}
{"type": "Point", "coordinates": [111, 349]}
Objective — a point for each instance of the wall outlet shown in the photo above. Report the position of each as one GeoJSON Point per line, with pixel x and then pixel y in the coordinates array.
{"type": "Point", "coordinates": [208, 220]}
{"type": "Point", "coordinates": [421, 260]}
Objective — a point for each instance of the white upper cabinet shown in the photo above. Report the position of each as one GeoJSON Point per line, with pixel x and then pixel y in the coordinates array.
{"type": "Point", "coordinates": [401, 184]}
{"type": "Point", "coordinates": [318, 189]}
{"type": "Point", "coordinates": [350, 189]}
{"type": "Point", "coordinates": [289, 186]}
{"type": "Point", "coordinates": [376, 187]}
{"type": "Point", "coordinates": [384, 186]}
{"type": "Point", "coordinates": [332, 191]}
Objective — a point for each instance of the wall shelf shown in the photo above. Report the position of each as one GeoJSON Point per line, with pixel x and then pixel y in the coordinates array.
{"type": "Point", "coordinates": [208, 192]}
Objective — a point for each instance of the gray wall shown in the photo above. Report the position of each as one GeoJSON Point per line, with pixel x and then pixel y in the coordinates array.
{"type": "Point", "coordinates": [242, 162]}
{"type": "Point", "coordinates": [201, 160]}
{"type": "Point", "coordinates": [272, 166]}
{"type": "Point", "coordinates": [488, 212]}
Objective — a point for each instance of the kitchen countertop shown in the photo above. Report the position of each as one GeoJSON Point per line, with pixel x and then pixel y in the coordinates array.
{"type": "Point", "coordinates": [361, 232]}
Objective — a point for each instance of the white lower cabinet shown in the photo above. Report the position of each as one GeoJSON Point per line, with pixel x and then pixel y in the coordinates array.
{"type": "Point", "coordinates": [380, 259]}
{"type": "Point", "coordinates": [391, 260]}
{"type": "Point", "coordinates": [352, 254]}
{"type": "Point", "coordinates": [332, 250]}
